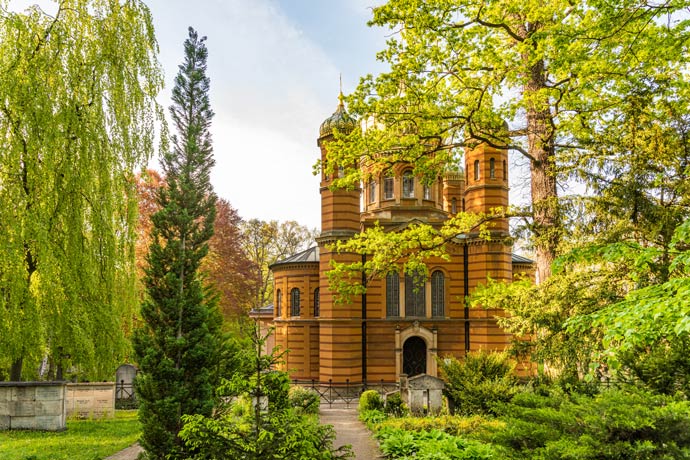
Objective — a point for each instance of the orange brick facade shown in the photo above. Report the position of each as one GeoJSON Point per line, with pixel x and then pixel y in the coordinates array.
{"type": "Point", "coordinates": [404, 330]}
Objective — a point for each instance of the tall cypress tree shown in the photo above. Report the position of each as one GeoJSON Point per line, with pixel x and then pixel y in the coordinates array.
{"type": "Point", "coordinates": [177, 344]}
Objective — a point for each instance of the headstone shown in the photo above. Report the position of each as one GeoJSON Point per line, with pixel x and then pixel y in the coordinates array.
{"type": "Point", "coordinates": [424, 394]}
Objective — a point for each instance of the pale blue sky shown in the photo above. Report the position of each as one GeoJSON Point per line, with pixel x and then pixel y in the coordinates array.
{"type": "Point", "coordinates": [274, 69]}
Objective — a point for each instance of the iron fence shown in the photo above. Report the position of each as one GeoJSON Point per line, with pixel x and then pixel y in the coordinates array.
{"type": "Point", "coordinates": [124, 396]}
{"type": "Point", "coordinates": [337, 392]}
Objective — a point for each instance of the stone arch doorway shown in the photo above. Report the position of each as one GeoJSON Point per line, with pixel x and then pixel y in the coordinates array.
{"type": "Point", "coordinates": [414, 356]}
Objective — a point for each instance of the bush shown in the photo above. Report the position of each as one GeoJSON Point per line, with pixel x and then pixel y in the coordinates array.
{"type": "Point", "coordinates": [370, 400]}
{"type": "Point", "coordinates": [430, 445]}
{"type": "Point", "coordinates": [395, 406]}
{"type": "Point", "coordinates": [615, 424]}
{"type": "Point", "coordinates": [305, 400]}
{"type": "Point", "coordinates": [475, 384]}
{"type": "Point", "coordinates": [372, 418]}
{"type": "Point", "coordinates": [451, 424]}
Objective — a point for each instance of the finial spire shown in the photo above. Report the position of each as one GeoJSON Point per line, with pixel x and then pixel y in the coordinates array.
{"type": "Point", "coordinates": [340, 94]}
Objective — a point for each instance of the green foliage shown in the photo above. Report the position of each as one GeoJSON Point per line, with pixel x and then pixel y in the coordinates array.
{"type": "Point", "coordinates": [83, 440]}
{"type": "Point", "coordinates": [478, 382]}
{"type": "Point", "coordinates": [305, 400]}
{"type": "Point", "coordinates": [236, 429]}
{"type": "Point", "coordinates": [77, 118]}
{"type": "Point", "coordinates": [663, 367]}
{"type": "Point", "coordinates": [451, 424]}
{"type": "Point", "coordinates": [370, 400]}
{"type": "Point", "coordinates": [179, 344]}
{"type": "Point", "coordinates": [395, 405]}
{"type": "Point", "coordinates": [627, 423]}
{"type": "Point", "coordinates": [281, 435]}
{"type": "Point", "coordinates": [372, 417]}
{"type": "Point", "coordinates": [430, 445]}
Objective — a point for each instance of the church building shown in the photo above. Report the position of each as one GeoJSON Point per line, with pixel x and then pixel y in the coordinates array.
{"type": "Point", "coordinates": [402, 324]}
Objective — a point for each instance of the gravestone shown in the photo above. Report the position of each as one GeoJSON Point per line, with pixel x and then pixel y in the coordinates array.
{"type": "Point", "coordinates": [423, 394]}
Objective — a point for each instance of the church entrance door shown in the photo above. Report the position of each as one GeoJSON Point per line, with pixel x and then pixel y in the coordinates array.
{"type": "Point", "coordinates": [414, 356]}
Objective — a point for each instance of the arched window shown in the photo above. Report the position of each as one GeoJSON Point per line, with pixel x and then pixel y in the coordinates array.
{"type": "Point", "coordinates": [294, 302]}
{"type": "Point", "coordinates": [438, 294]}
{"type": "Point", "coordinates": [408, 185]}
{"type": "Point", "coordinates": [279, 303]}
{"type": "Point", "coordinates": [341, 171]}
{"type": "Point", "coordinates": [415, 295]}
{"type": "Point", "coordinates": [454, 206]}
{"type": "Point", "coordinates": [392, 295]}
{"type": "Point", "coordinates": [388, 183]}
{"type": "Point", "coordinates": [372, 191]}
{"type": "Point", "coordinates": [505, 171]}
{"type": "Point", "coordinates": [427, 192]}
{"type": "Point", "coordinates": [476, 169]}
{"type": "Point", "coordinates": [492, 168]}
{"type": "Point", "coordinates": [317, 304]}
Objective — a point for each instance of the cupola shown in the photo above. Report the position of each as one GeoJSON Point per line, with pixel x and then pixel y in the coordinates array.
{"type": "Point", "coordinates": [340, 120]}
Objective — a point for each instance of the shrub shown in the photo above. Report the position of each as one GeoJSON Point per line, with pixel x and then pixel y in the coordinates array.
{"type": "Point", "coordinates": [451, 424]}
{"type": "Point", "coordinates": [430, 445]}
{"type": "Point", "coordinates": [370, 400]}
{"type": "Point", "coordinates": [477, 383]}
{"type": "Point", "coordinates": [372, 417]}
{"type": "Point", "coordinates": [305, 400]}
{"type": "Point", "coordinates": [619, 423]}
{"type": "Point", "coordinates": [395, 406]}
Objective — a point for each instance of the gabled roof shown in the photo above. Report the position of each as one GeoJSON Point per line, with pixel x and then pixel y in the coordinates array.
{"type": "Point", "coordinates": [309, 255]}
{"type": "Point", "coordinates": [517, 259]}
{"type": "Point", "coordinates": [267, 310]}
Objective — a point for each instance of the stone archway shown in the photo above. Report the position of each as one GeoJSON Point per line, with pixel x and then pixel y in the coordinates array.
{"type": "Point", "coordinates": [428, 337]}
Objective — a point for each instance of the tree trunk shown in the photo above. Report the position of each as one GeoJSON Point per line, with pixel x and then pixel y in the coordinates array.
{"type": "Point", "coordinates": [16, 370]}
{"type": "Point", "coordinates": [540, 138]}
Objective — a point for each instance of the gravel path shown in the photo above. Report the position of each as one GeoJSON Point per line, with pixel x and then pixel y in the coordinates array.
{"type": "Point", "coordinates": [349, 430]}
{"type": "Point", "coordinates": [130, 453]}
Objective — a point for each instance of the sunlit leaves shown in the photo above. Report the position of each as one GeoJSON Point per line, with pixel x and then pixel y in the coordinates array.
{"type": "Point", "coordinates": [77, 116]}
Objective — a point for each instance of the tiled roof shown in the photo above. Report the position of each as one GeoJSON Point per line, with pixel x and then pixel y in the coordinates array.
{"type": "Point", "coordinates": [310, 255]}
{"type": "Point", "coordinates": [521, 260]}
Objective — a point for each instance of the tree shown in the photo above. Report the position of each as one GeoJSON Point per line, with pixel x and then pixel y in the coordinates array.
{"type": "Point", "coordinates": [265, 243]}
{"type": "Point", "coordinates": [76, 118]}
{"type": "Point", "coordinates": [179, 342]}
{"type": "Point", "coordinates": [227, 266]}
{"type": "Point", "coordinates": [459, 68]}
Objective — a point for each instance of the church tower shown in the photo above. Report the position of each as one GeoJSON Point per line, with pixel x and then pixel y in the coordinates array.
{"type": "Point", "coordinates": [486, 190]}
{"type": "Point", "coordinates": [340, 325]}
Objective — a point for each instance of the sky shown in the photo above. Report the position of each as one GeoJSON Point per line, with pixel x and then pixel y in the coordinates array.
{"type": "Point", "coordinates": [274, 67]}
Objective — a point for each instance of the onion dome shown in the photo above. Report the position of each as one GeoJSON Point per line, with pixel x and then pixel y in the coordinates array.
{"type": "Point", "coordinates": [340, 120]}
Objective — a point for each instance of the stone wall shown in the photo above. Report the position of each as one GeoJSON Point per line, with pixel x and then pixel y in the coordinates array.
{"type": "Point", "coordinates": [90, 400]}
{"type": "Point", "coordinates": [32, 406]}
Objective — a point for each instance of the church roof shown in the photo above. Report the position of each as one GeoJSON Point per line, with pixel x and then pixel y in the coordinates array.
{"type": "Point", "coordinates": [340, 120]}
{"type": "Point", "coordinates": [518, 259]}
{"type": "Point", "coordinates": [309, 255]}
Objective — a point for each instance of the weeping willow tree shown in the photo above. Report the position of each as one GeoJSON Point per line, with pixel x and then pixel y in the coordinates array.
{"type": "Point", "coordinates": [77, 114]}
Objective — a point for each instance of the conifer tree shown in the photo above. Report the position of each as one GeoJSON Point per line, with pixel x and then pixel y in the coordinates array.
{"type": "Point", "coordinates": [177, 344]}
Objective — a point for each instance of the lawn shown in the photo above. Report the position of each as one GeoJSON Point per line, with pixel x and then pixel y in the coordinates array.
{"type": "Point", "coordinates": [83, 440]}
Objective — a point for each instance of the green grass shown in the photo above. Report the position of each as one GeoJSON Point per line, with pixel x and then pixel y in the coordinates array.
{"type": "Point", "coordinates": [83, 440]}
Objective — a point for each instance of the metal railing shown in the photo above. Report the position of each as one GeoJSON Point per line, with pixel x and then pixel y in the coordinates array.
{"type": "Point", "coordinates": [124, 396]}
{"type": "Point", "coordinates": [337, 392]}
